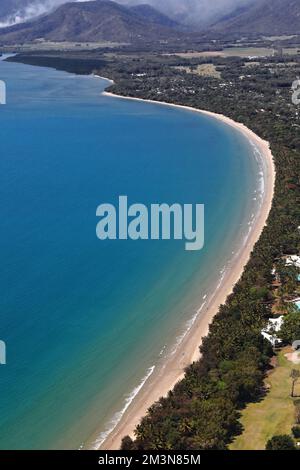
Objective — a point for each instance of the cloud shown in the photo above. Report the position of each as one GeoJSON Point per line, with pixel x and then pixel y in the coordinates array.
{"type": "Point", "coordinates": [30, 10]}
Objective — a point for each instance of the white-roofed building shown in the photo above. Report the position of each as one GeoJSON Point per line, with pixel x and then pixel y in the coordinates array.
{"type": "Point", "coordinates": [293, 260]}
{"type": "Point", "coordinates": [273, 327]}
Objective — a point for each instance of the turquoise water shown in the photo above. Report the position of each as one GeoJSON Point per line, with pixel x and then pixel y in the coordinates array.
{"type": "Point", "coordinates": [85, 320]}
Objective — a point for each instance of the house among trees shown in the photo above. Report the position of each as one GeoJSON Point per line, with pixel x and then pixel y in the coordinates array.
{"type": "Point", "coordinates": [274, 326]}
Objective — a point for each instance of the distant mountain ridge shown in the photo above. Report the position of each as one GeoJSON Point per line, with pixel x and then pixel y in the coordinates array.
{"type": "Point", "coordinates": [194, 13]}
{"type": "Point", "coordinates": [273, 17]}
{"type": "Point", "coordinates": [155, 16]}
{"type": "Point", "coordinates": [106, 20]}
{"type": "Point", "coordinates": [98, 20]}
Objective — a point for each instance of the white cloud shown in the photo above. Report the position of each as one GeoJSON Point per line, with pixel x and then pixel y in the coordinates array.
{"type": "Point", "coordinates": [34, 9]}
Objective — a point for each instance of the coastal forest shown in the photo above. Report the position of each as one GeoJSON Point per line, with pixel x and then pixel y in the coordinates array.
{"type": "Point", "coordinates": [203, 410]}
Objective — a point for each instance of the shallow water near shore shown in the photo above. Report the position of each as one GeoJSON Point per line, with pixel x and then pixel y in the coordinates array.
{"type": "Point", "coordinates": [86, 322]}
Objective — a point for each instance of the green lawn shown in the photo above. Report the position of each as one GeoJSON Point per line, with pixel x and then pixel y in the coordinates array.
{"type": "Point", "coordinates": [231, 52]}
{"type": "Point", "coordinates": [274, 414]}
{"type": "Point", "coordinates": [203, 70]}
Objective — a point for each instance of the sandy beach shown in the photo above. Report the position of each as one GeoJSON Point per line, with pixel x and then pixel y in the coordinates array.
{"type": "Point", "coordinates": [171, 371]}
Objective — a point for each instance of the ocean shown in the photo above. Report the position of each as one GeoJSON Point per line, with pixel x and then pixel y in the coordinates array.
{"type": "Point", "coordinates": [85, 321]}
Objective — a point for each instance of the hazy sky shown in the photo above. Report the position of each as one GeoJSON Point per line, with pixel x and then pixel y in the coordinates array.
{"type": "Point", "coordinates": [195, 11]}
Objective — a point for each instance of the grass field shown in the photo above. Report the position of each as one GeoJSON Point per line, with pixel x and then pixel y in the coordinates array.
{"type": "Point", "coordinates": [204, 70]}
{"type": "Point", "coordinates": [230, 52]}
{"type": "Point", "coordinates": [275, 414]}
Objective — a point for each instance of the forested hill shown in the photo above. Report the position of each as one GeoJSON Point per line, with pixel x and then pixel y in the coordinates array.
{"type": "Point", "coordinates": [100, 20]}
{"type": "Point", "coordinates": [274, 17]}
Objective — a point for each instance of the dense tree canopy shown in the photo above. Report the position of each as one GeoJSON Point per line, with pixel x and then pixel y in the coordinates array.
{"type": "Point", "coordinates": [290, 330]}
{"type": "Point", "coordinates": [281, 442]}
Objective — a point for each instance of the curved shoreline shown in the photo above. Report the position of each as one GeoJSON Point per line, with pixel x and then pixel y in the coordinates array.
{"type": "Point", "coordinates": [167, 375]}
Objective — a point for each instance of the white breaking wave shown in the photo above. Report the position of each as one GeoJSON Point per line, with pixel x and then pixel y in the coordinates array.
{"type": "Point", "coordinates": [118, 416]}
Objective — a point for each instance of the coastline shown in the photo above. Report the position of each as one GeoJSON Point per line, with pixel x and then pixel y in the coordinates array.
{"type": "Point", "coordinates": [167, 375]}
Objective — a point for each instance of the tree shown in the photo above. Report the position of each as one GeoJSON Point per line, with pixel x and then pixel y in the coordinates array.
{"type": "Point", "coordinates": [295, 375]}
{"type": "Point", "coordinates": [290, 330]}
{"type": "Point", "coordinates": [127, 443]}
{"type": "Point", "coordinates": [296, 432]}
{"type": "Point", "coordinates": [297, 413]}
{"type": "Point", "coordinates": [281, 442]}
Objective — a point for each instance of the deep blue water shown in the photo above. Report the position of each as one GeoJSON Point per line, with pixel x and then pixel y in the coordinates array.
{"type": "Point", "coordinates": [84, 320]}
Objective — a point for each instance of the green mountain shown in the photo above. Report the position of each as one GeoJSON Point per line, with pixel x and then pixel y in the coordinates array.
{"type": "Point", "coordinates": [151, 14]}
{"type": "Point", "coordinates": [100, 20]}
{"type": "Point", "coordinates": [274, 17]}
